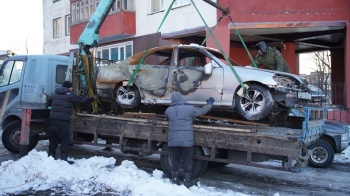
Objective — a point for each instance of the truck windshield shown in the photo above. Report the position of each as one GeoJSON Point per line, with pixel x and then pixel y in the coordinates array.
{"type": "Point", "coordinates": [11, 72]}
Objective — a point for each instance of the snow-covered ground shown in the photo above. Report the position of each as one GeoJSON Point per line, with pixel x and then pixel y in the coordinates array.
{"type": "Point", "coordinates": [98, 175]}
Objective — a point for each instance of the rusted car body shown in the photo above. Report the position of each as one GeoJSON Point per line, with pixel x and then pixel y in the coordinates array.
{"type": "Point", "coordinates": [199, 73]}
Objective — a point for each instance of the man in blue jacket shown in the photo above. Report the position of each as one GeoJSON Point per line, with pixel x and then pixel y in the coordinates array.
{"type": "Point", "coordinates": [62, 101]}
{"type": "Point", "coordinates": [180, 134]}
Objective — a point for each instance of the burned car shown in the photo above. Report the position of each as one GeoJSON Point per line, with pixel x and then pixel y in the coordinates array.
{"type": "Point", "coordinates": [199, 73]}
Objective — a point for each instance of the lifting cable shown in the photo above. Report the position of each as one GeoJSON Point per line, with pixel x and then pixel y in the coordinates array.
{"type": "Point", "coordinates": [221, 50]}
{"type": "Point", "coordinates": [149, 45]}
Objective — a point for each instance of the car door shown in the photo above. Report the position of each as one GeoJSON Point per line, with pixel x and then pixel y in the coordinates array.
{"type": "Point", "coordinates": [153, 75]}
{"type": "Point", "coordinates": [190, 80]}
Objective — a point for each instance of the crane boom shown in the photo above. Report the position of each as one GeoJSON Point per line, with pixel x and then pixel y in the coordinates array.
{"type": "Point", "coordinates": [89, 37]}
{"type": "Point", "coordinates": [86, 64]}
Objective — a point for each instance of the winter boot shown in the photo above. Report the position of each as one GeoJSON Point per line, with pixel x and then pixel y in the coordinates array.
{"type": "Point", "coordinates": [64, 158]}
{"type": "Point", "coordinates": [52, 154]}
{"type": "Point", "coordinates": [187, 180]}
{"type": "Point", "coordinates": [175, 178]}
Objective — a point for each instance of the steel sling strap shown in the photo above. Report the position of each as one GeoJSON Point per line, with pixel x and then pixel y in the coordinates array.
{"type": "Point", "coordinates": [221, 50]}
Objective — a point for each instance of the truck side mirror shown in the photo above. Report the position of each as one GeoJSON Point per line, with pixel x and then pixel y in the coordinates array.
{"type": "Point", "coordinates": [208, 68]}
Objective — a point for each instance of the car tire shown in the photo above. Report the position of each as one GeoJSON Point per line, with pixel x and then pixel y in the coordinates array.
{"type": "Point", "coordinates": [11, 138]}
{"type": "Point", "coordinates": [128, 97]}
{"type": "Point", "coordinates": [256, 105]}
{"type": "Point", "coordinates": [198, 166]}
{"type": "Point", "coordinates": [322, 154]}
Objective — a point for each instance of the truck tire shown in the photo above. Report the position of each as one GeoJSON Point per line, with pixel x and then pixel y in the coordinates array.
{"type": "Point", "coordinates": [322, 154]}
{"type": "Point", "coordinates": [11, 138]}
{"type": "Point", "coordinates": [129, 98]}
{"type": "Point", "coordinates": [256, 105]}
{"type": "Point", "coordinates": [198, 166]}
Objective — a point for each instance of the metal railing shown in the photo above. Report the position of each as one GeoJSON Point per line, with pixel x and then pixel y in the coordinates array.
{"type": "Point", "coordinates": [335, 101]}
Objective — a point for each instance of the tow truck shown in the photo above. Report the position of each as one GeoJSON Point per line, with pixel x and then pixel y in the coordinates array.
{"type": "Point", "coordinates": [32, 78]}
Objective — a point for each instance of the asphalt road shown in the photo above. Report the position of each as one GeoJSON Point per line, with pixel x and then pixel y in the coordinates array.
{"type": "Point", "coordinates": [333, 180]}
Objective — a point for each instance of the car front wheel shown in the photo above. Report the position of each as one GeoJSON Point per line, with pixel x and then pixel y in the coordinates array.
{"type": "Point", "coordinates": [128, 97]}
{"type": "Point", "coordinates": [322, 154]}
{"type": "Point", "coordinates": [255, 104]}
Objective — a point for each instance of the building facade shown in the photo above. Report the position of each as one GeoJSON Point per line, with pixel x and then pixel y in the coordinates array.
{"type": "Point", "coordinates": [57, 22]}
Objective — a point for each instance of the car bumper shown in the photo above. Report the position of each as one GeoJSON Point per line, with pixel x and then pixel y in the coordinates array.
{"type": "Point", "coordinates": [344, 145]}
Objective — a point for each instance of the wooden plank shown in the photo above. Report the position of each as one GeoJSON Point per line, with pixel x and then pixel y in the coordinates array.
{"type": "Point", "coordinates": [224, 128]}
{"type": "Point", "coordinates": [236, 121]}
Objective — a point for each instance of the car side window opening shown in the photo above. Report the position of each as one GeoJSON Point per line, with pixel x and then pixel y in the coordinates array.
{"type": "Point", "coordinates": [190, 57]}
{"type": "Point", "coordinates": [11, 72]}
{"type": "Point", "coordinates": [158, 58]}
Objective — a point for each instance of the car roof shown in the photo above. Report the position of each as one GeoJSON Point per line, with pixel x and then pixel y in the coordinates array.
{"type": "Point", "coordinates": [167, 51]}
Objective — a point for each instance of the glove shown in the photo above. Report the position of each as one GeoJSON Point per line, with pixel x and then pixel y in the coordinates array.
{"type": "Point", "coordinates": [210, 101]}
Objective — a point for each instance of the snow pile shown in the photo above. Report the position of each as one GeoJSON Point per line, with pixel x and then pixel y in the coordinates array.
{"type": "Point", "coordinates": [342, 157]}
{"type": "Point", "coordinates": [96, 175]}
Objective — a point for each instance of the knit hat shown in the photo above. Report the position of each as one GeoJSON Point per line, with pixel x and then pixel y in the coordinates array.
{"type": "Point", "coordinates": [262, 46]}
{"type": "Point", "coordinates": [67, 84]}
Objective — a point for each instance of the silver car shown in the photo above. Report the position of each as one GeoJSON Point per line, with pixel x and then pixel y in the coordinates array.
{"type": "Point", "coordinates": [199, 73]}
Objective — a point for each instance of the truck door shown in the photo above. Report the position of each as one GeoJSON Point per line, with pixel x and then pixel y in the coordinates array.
{"type": "Point", "coordinates": [11, 82]}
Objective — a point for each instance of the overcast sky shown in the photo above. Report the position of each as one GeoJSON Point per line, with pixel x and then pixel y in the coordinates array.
{"type": "Point", "coordinates": [21, 21]}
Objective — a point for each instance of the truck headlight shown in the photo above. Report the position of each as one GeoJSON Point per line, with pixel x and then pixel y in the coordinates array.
{"type": "Point", "coordinates": [344, 137]}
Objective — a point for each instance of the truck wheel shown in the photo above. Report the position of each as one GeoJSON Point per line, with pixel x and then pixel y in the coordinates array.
{"type": "Point", "coordinates": [11, 138]}
{"type": "Point", "coordinates": [256, 105]}
{"type": "Point", "coordinates": [322, 154]}
{"type": "Point", "coordinates": [198, 166]}
{"type": "Point", "coordinates": [128, 97]}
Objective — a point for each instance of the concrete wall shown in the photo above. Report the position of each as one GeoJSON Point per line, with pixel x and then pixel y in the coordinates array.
{"type": "Point", "coordinates": [52, 10]}
{"type": "Point", "coordinates": [179, 18]}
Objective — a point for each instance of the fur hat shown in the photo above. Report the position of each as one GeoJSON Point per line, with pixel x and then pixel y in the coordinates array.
{"type": "Point", "coordinates": [67, 84]}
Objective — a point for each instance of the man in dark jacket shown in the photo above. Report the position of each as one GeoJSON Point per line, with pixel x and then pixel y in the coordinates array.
{"type": "Point", "coordinates": [180, 134]}
{"type": "Point", "coordinates": [270, 58]}
{"type": "Point", "coordinates": [61, 102]}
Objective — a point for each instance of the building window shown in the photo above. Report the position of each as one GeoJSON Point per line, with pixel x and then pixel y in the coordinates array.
{"type": "Point", "coordinates": [57, 28]}
{"type": "Point", "coordinates": [87, 13]}
{"type": "Point", "coordinates": [77, 11]}
{"type": "Point", "coordinates": [73, 13]}
{"type": "Point", "coordinates": [182, 2]}
{"type": "Point", "coordinates": [128, 5]}
{"type": "Point", "coordinates": [82, 9]}
{"type": "Point", "coordinates": [156, 6]}
{"type": "Point", "coordinates": [92, 8]}
{"type": "Point", "coordinates": [96, 3]}
{"type": "Point", "coordinates": [116, 52]}
{"type": "Point", "coordinates": [116, 6]}
{"type": "Point", "coordinates": [67, 27]}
